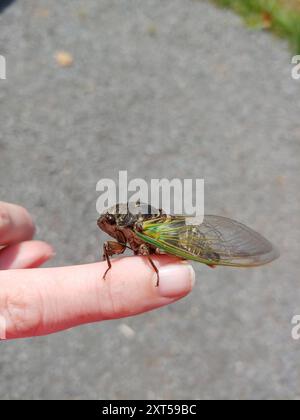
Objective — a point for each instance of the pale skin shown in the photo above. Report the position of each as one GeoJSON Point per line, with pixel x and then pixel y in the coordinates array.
{"type": "Point", "coordinates": [39, 301]}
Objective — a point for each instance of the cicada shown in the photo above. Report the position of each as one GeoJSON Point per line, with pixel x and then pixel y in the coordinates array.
{"type": "Point", "coordinates": [215, 241]}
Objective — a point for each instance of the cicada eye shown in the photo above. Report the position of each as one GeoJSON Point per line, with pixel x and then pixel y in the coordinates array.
{"type": "Point", "coordinates": [110, 218]}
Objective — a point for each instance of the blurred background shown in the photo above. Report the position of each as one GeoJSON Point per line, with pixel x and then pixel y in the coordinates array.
{"type": "Point", "coordinates": [163, 89]}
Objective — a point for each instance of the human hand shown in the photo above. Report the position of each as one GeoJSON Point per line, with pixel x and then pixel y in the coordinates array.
{"type": "Point", "coordinates": [43, 301]}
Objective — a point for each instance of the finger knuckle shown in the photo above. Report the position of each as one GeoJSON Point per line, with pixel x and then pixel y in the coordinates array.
{"type": "Point", "coordinates": [113, 305]}
{"type": "Point", "coordinates": [22, 313]}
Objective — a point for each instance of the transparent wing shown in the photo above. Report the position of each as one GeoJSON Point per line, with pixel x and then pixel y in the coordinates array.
{"type": "Point", "coordinates": [216, 241]}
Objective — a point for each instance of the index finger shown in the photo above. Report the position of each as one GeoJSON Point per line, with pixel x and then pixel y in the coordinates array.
{"type": "Point", "coordinates": [43, 301]}
{"type": "Point", "coordinates": [16, 224]}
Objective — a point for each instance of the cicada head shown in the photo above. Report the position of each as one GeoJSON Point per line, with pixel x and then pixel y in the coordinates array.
{"type": "Point", "coordinates": [125, 215]}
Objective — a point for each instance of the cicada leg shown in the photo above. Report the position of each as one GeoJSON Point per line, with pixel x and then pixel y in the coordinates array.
{"type": "Point", "coordinates": [146, 252]}
{"type": "Point", "coordinates": [111, 248]}
{"type": "Point", "coordinates": [155, 269]}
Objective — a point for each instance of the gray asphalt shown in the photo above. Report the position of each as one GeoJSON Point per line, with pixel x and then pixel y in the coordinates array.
{"type": "Point", "coordinates": [162, 89]}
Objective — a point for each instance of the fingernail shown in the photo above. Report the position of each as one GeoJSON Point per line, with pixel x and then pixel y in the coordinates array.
{"type": "Point", "coordinates": [176, 280]}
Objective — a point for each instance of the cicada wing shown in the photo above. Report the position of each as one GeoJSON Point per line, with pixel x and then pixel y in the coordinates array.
{"type": "Point", "coordinates": [215, 241]}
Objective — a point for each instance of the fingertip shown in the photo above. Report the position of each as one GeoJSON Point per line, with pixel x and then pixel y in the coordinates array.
{"type": "Point", "coordinates": [16, 224]}
{"type": "Point", "coordinates": [41, 253]}
{"type": "Point", "coordinates": [28, 254]}
{"type": "Point", "coordinates": [176, 280]}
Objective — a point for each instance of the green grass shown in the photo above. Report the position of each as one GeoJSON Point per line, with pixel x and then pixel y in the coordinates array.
{"type": "Point", "coordinates": [279, 16]}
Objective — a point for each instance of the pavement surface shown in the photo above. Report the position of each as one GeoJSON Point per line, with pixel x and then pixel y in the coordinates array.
{"type": "Point", "coordinates": [162, 89]}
